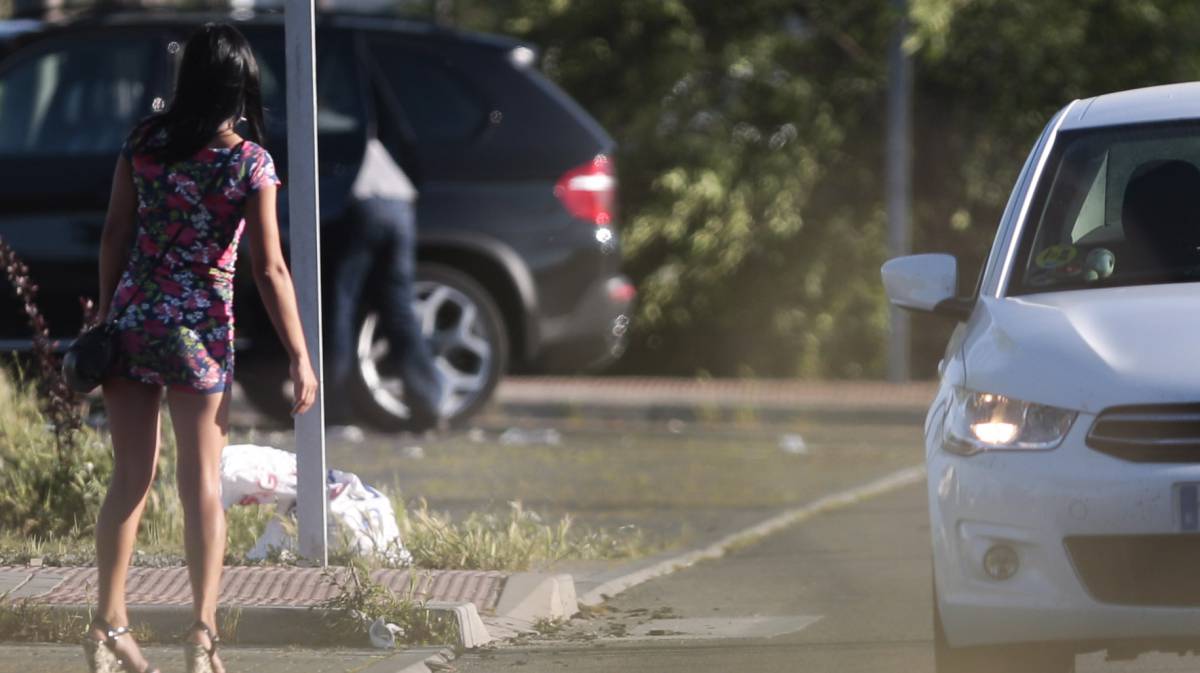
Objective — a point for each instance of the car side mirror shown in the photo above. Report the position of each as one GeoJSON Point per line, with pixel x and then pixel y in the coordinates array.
{"type": "Point", "coordinates": [926, 283]}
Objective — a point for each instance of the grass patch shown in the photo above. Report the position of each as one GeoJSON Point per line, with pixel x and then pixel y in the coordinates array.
{"type": "Point", "coordinates": [513, 540]}
{"type": "Point", "coordinates": [46, 489]}
{"type": "Point", "coordinates": [549, 627]}
{"type": "Point", "coordinates": [21, 620]}
{"type": "Point", "coordinates": [50, 497]}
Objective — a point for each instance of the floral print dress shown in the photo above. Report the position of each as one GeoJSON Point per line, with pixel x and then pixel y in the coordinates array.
{"type": "Point", "coordinates": [178, 329]}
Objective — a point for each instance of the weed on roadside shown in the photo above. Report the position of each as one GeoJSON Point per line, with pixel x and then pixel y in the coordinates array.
{"type": "Point", "coordinates": [549, 626]}
{"type": "Point", "coordinates": [230, 620]}
{"type": "Point", "coordinates": [361, 600]}
{"type": "Point", "coordinates": [46, 489]}
{"type": "Point", "coordinates": [22, 620]}
{"type": "Point", "coordinates": [514, 540]}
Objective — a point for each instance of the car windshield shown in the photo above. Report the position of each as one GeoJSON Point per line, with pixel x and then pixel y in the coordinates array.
{"type": "Point", "coordinates": [1118, 206]}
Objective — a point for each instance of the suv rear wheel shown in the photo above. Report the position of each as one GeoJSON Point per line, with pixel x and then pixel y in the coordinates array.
{"type": "Point", "coordinates": [463, 327]}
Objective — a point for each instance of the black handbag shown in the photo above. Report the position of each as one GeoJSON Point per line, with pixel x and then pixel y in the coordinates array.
{"type": "Point", "coordinates": [91, 356]}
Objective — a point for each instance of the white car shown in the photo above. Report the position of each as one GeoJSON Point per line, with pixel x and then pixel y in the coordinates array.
{"type": "Point", "coordinates": [1063, 447]}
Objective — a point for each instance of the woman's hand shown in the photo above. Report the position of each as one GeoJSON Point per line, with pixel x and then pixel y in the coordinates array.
{"type": "Point", "coordinates": [304, 385]}
{"type": "Point", "coordinates": [278, 295]}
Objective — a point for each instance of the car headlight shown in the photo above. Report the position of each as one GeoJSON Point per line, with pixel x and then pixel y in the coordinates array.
{"type": "Point", "coordinates": [978, 422]}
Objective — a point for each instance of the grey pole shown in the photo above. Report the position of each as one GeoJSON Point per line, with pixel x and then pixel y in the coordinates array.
{"type": "Point", "coordinates": [899, 183]}
{"type": "Point", "coordinates": [303, 209]}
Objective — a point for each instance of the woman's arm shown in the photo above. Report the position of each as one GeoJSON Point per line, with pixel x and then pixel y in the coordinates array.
{"type": "Point", "coordinates": [117, 238]}
{"type": "Point", "coordinates": [274, 283]}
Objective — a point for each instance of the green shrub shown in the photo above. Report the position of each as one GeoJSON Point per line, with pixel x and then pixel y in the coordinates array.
{"type": "Point", "coordinates": [44, 491]}
{"type": "Point", "coordinates": [49, 500]}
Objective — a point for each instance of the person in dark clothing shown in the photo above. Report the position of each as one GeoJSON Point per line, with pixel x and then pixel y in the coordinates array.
{"type": "Point", "coordinates": [380, 230]}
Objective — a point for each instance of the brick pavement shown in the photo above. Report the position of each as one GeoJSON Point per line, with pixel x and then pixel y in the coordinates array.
{"type": "Point", "coordinates": [254, 586]}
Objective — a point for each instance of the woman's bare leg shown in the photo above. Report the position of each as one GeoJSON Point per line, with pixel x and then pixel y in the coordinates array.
{"type": "Point", "coordinates": [133, 421]}
{"type": "Point", "coordinates": [201, 431]}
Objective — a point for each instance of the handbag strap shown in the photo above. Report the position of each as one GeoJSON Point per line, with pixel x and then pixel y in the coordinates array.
{"type": "Point", "coordinates": [163, 253]}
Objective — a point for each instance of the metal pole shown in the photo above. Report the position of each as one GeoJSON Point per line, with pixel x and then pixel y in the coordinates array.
{"type": "Point", "coordinates": [303, 209]}
{"type": "Point", "coordinates": [899, 182]}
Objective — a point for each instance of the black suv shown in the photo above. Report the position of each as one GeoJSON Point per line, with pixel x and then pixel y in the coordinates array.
{"type": "Point", "coordinates": [517, 251]}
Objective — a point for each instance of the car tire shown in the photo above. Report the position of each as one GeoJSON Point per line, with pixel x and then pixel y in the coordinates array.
{"type": "Point", "coordinates": [263, 381]}
{"type": "Point", "coordinates": [466, 332]}
{"type": "Point", "coordinates": [1025, 657]}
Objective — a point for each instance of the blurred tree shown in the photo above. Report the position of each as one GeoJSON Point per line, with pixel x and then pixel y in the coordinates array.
{"type": "Point", "coordinates": [750, 158]}
{"type": "Point", "coordinates": [748, 162]}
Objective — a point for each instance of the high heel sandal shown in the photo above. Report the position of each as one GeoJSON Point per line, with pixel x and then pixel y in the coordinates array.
{"type": "Point", "coordinates": [102, 654]}
{"type": "Point", "coordinates": [198, 658]}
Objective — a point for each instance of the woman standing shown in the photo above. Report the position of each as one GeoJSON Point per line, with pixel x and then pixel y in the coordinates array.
{"type": "Point", "coordinates": [185, 187]}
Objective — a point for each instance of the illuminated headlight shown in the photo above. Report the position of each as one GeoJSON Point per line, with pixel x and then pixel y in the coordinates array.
{"type": "Point", "coordinates": [978, 422]}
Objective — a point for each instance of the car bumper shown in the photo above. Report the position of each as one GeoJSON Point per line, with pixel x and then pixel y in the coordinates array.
{"type": "Point", "coordinates": [1041, 504]}
{"type": "Point", "coordinates": [593, 334]}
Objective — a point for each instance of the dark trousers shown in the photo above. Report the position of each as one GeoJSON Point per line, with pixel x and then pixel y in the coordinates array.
{"type": "Point", "coordinates": [377, 241]}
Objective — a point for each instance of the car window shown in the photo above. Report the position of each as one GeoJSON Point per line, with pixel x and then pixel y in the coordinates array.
{"type": "Point", "coordinates": [340, 104]}
{"type": "Point", "coordinates": [1116, 207]}
{"type": "Point", "coordinates": [437, 102]}
{"type": "Point", "coordinates": [1092, 216]}
{"type": "Point", "coordinates": [78, 98]}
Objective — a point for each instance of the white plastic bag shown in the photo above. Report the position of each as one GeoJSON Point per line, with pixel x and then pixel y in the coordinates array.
{"type": "Point", "coordinates": [358, 514]}
{"type": "Point", "coordinates": [366, 518]}
{"type": "Point", "coordinates": [257, 475]}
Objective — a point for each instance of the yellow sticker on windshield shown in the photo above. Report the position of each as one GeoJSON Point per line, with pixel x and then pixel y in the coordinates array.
{"type": "Point", "coordinates": [1056, 256]}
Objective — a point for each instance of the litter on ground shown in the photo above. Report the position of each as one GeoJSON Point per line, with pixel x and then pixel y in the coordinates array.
{"type": "Point", "coordinates": [358, 514]}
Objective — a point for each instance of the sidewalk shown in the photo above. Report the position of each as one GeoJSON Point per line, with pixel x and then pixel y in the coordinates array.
{"type": "Point", "coordinates": [261, 604]}
{"type": "Point", "coordinates": [643, 398]}
{"type": "Point", "coordinates": [38, 658]}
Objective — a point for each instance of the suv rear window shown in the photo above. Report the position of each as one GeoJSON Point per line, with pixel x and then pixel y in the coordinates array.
{"type": "Point", "coordinates": [75, 98]}
{"type": "Point", "coordinates": [1118, 206]}
{"type": "Point", "coordinates": [341, 107]}
{"type": "Point", "coordinates": [436, 100]}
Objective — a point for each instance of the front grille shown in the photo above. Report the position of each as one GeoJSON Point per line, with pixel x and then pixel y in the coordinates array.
{"type": "Point", "coordinates": [1149, 434]}
{"type": "Point", "coordinates": [1150, 570]}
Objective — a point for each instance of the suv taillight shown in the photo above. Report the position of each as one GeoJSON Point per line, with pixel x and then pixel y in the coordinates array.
{"type": "Point", "coordinates": [589, 191]}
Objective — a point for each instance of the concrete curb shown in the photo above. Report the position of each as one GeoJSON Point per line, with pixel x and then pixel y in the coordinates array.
{"type": "Point", "coordinates": [502, 413]}
{"type": "Point", "coordinates": [531, 596]}
{"type": "Point", "coordinates": [273, 626]}
{"type": "Point", "coordinates": [472, 632]}
{"type": "Point", "coordinates": [608, 586]}
{"type": "Point", "coordinates": [651, 399]}
{"type": "Point", "coordinates": [255, 625]}
{"type": "Point", "coordinates": [522, 599]}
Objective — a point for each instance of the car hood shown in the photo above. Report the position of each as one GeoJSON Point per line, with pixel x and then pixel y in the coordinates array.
{"type": "Point", "coordinates": [1089, 349]}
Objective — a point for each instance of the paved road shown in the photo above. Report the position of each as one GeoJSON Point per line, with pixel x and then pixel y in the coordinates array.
{"type": "Point", "coordinates": [64, 659]}
{"type": "Point", "coordinates": [862, 573]}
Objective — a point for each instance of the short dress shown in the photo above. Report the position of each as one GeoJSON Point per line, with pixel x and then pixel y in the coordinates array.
{"type": "Point", "coordinates": [178, 329]}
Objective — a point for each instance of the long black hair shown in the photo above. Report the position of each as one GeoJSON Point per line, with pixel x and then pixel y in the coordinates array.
{"type": "Point", "coordinates": [218, 81]}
